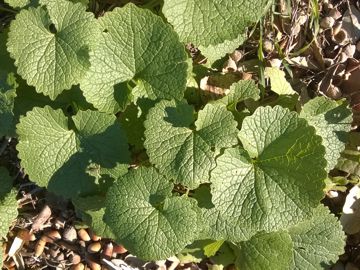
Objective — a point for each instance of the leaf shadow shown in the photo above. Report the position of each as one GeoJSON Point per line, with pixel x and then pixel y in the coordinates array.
{"type": "Point", "coordinates": [182, 115]}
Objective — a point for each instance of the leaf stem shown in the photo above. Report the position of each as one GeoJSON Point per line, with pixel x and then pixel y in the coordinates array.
{"type": "Point", "coordinates": [151, 4]}
{"type": "Point", "coordinates": [7, 10]}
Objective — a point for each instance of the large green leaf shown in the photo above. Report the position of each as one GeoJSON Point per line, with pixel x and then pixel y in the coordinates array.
{"type": "Point", "coordinates": [313, 244]}
{"type": "Point", "coordinates": [275, 182]}
{"type": "Point", "coordinates": [51, 45]}
{"type": "Point", "coordinates": [136, 47]}
{"type": "Point", "coordinates": [266, 251]}
{"type": "Point", "coordinates": [317, 241]}
{"type": "Point", "coordinates": [332, 121]}
{"type": "Point", "coordinates": [58, 152]}
{"type": "Point", "coordinates": [185, 150]}
{"type": "Point", "coordinates": [205, 22]}
{"type": "Point", "coordinates": [146, 218]}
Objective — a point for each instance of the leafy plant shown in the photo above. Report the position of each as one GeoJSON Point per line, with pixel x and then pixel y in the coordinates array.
{"type": "Point", "coordinates": [99, 105]}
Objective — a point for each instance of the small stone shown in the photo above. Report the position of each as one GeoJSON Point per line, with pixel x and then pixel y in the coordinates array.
{"type": "Point", "coordinates": [69, 234]}
{"type": "Point", "coordinates": [268, 46]}
{"type": "Point", "coordinates": [236, 55]}
{"type": "Point", "coordinates": [84, 235]}
{"type": "Point", "coordinates": [335, 14]}
{"type": "Point", "coordinates": [349, 50]}
{"type": "Point", "coordinates": [327, 22]}
{"type": "Point", "coordinates": [94, 247]}
{"type": "Point", "coordinates": [75, 258]}
{"type": "Point", "coordinates": [341, 37]}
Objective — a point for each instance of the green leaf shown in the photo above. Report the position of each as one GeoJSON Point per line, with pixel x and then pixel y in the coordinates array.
{"type": "Point", "coordinates": [212, 248]}
{"type": "Point", "coordinates": [193, 253]}
{"type": "Point", "coordinates": [279, 84]}
{"type": "Point", "coordinates": [146, 218]}
{"type": "Point", "coordinates": [51, 45]}
{"type": "Point", "coordinates": [274, 183]}
{"type": "Point", "coordinates": [266, 251]}
{"type": "Point", "coordinates": [132, 119]}
{"type": "Point", "coordinates": [185, 150]}
{"type": "Point", "coordinates": [240, 91]}
{"type": "Point", "coordinates": [224, 257]}
{"type": "Point", "coordinates": [58, 152]}
{"type": "Point", "coordinates": [207, 23]}
{"type": "Point", "coordinates": [92, 210]}
{"type": "Point", "coordinates": [349, 161]}
{"type": "Point", "coordinates": [312, 244]}
{"type": "Point", "coordinates": [318, 241]}
{"type": "Point", "coordinates": [17, 3]}
{"type": "Point", "coordinates": [8, 211]}
{"type": "Point", "coordinates": [136, 47]}
{"type": "Point", "coordinates": [8, 85]}
{"type": "Point", "coordinates": [222, 227]}
{"type": "Point", "coordinates": [332, 121]}
{"type": "Point", "coordinates": [215, 52]}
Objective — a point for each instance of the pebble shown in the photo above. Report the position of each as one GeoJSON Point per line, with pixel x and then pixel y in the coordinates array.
{"type": "Point", "coordinates": [327, 22]}
{"type": "Point", "coordinates": [69, 234]}
{"type": "Point", "coordinates": [94, 247]}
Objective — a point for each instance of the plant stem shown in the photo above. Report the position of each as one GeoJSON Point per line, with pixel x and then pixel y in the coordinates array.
{"type": "Point", "coordinates": [151, 4]}
{"type": "Point", "coordinates": [7, 10]}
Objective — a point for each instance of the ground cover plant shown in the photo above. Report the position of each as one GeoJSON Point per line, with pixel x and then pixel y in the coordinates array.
{"type": "Point", "coordinates": [115, 112]}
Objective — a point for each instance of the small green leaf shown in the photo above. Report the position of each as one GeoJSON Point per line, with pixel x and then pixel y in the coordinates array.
{"type": "Point", "coordinates": [279, 84]}
{"type": "Point", "coordinates": [317, 241]}
{"type": "Point", "coordinates": [137, 48]}
{"type": "Point", "coordinates": [204, 22]}
{"type": "Point", "coordinates": [349, 161]}
{"type": "Point", "coordinates": [240, 91]}
{"type": "Point", "coordinates": [224, 257]}
{"type": "Point", "coordinates": [17, 3]}
{"type": "Point", "coordinates": [212, 248]}
{"type": "Point", "coordinates": [50, 45]}
{"type": "Point", "coordinates": [274, 183]}
{"type": "Point", "coordinates": [8, 212]}
{"type": "Point", "coordinates": [182, 149]}
{"type": "Point", "coordinates": [266, 251]}
{"type": "Point", "coordinates": [92, 210]}
{"type": "Point", "coordinates": [332, 121]}
{"type": "Point", "coordinates": [215, 52]}
{"type": "Point", "coordinates": [132, 119]}
{"type": "Point", "coordinates": [8, 85]}
{"type": "Point", "coordinates": [146, 218]}
{"type": "Point", "coordinates": [57, 156]}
